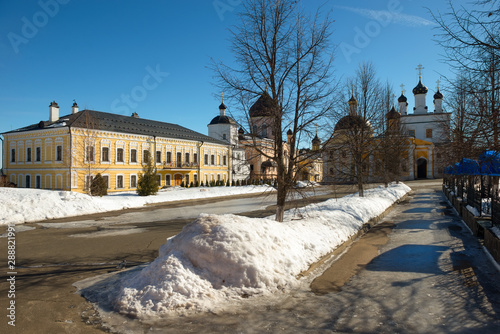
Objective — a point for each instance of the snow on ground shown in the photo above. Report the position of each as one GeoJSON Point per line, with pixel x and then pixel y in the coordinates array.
{"type": "Point", "coordinates": [219, 259]}
{"type": "Point", "coordinates": [19, 205]}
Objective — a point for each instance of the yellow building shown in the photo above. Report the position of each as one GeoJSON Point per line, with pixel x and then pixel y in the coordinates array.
{"type": "Point", "coordinates": [65, 153]}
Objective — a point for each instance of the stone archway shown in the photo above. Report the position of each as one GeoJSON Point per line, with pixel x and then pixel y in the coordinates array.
{"type": "Point", "coordinates": [421, 168]}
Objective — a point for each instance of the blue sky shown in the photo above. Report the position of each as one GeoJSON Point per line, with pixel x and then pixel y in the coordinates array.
{"type": "Point", "coordinates": [151, 56]}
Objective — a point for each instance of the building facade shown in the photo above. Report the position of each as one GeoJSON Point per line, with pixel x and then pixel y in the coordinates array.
{"type": "Point", "coordinates": [224, 128]}
{"type": "Point", "coordinates": [425, 134]}
{"type": "Point", "coordinates": [65, 153]}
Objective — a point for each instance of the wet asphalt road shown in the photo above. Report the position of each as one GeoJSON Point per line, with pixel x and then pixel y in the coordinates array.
{"type": "Point", "coordinates": [432, 276]}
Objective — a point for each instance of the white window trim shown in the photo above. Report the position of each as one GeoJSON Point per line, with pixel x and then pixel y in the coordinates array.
{"type": "Point", "coordinates": [123, 181]}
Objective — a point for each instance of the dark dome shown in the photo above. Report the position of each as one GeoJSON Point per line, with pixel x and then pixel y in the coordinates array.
{"type": "Point", "coordinates": [222, 120]}
{"type": "Point", "coordinates": [420, 88]}
{"type": "Point", "coordinates": [402, 98]}
{"type": "Point", "coordinates": [438, 95]}
{"type": "Point", "coordinates": [222, 106]}
{"type": "Point", "coordinates": [352, 100]}
{"type": "Point", "coordinates": [289, 132]}
{"type": "Point", "coordinates": [349, 122]}
{"type": "Point", "coordinates": [393, 114]}
{"type": "Point", "coordinates": [316, 140]}
{"type": "Point", "coordinates": [264, 106]}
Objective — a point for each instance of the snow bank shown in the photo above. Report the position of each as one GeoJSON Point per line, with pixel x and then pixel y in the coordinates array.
{"type": "Point", "coordinates": [222, 258]}
{"type": "Point", "coordinates": [18, 205]}
{"type": "Point", "coordinates": [305, 184]}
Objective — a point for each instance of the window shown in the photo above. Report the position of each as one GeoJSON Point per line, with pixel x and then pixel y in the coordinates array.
{"type": "Point", "coordinates": [187, 158]}
{"type": "Point", "coordinates": [187, 179]}
{"type": "Point", "coordinates": [133, 155]}
{"type": "Point", "coordinates": [89, 154]}
{"type": "Point", "coordinates": [158, 176]}
{"type": "Point", "coordinates": [264, 130]}
{"type": "Point", "coordinates": [224, 160]}
{"type": "Point", "coordinates": [119, 181]}
{"type": "Point", "coordinates": [195, 178]}
{"type": "Point", "coordinates": [13, 155]}
{"type": "Point", "coordinates": [169, 157]}
{"type": "Point", "coordinates": [28, 181]}
{"type": "Point", "coordinates": [255, 129]}
{"type": "Point", "coordinates": [167, 180]}
{"type": "Point", "coordinates": [179, 159]}
{"type": "Point", "coordinates": [88, 181]}
{"type": "Point", "coordinates": [411, 133]}
{"type": "Point", "coordinates": [119, 155]}
{"type": "Point", "coordinates": [206, 159]}
{"type": "Point", "coordinates": [212, 159]}
{"type": "Point", "coordinates": [195, 158]}
{"type": "Point", "coordinates": [38, 182]}
{"type": "Point", "coordinates": [428, 133]}
{"type": "Point", "coordinates": [145, 156]}
{"type": "Point", "coordinates": [133, 181]}
{"type": "Point", "coordinates": [224, 136]}
{"type": "Point", "coordinates": [28, 154]}
{"type": "Point", "coordinates": [38, 154]}
{"type": "Point", "coordinates": [106, 180]}
{"type": "Point", "coordinates": [58, 153]}
{"type": "Point", "coordinates": [158, 157]}
{"type": "Point", "coordinates": [105, 154]}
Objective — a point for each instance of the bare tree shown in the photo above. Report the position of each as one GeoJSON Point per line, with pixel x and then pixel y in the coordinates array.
{"type": "Point", "coordinates": [282, 52]}
{"type": "Point", "coordinates": [471, 41]}
{"type": "Point", "coordinates": [353, 144]}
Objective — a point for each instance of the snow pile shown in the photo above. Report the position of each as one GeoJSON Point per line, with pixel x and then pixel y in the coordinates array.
{"type": "Point", "coordinates": [305, 184]}
{"type": "Point", "coordinates": [473, 211]}
{"type": "Point", "coordinates": [19, 205]}
{"type": "Point", "coordinates": [221, 258]}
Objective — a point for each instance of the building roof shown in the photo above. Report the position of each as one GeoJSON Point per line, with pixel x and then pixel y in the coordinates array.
{"type": "Point", "coordinates": [438, 95]}
{"type": "Point", "coordinates": [402, 98]}
{"type": "Point", "coordinates": [393, 114]}
{"type": "Point", "coordinates": [350, 122]}
{"type": "Point", "coordinates": [264, 106]}
{"type": "Point", "coordinates": [223, 120]}
{"type": "Point", "coordinates": [123, 124]}
{"type": "Point", "coordinates": [420, 88]}
{"type": "Point", "coordinates": [316, 140]}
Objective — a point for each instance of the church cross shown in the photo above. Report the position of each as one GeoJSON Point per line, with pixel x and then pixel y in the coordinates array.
{"type": "Point", "coordinates": [420, 68]}
{"type": "Point", "coordinates": [438, 82]}
{"type": "Point", "coordinates": [403, 91]}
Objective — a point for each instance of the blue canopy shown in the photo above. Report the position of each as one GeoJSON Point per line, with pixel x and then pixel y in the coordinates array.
{"type": "Point", "coordinates": [468, 167]}
{"type": "Point", "coordinates": [449, 170]}
{"type": "Point", "coordinates": [489, 162]}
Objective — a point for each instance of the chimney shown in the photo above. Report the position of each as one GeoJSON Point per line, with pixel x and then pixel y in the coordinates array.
{"type": "Point", "coordinates": [53, 112]}
{"type": "Point", "coordinates": [74, 109]}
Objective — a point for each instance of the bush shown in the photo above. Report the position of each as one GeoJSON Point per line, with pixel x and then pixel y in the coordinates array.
{"type": "Point", "coordinates": [148, 182]}
{"type": "Point", "coordinates": [98, 187]}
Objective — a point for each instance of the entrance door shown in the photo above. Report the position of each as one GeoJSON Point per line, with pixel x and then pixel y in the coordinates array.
{"type": "Point", "coordinates": [177, 179]}
{"type": "Point", "coordinates": [421, 168]}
